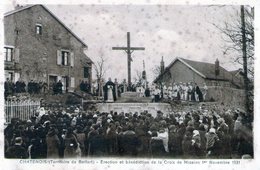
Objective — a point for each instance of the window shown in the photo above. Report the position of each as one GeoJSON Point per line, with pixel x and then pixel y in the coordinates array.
{"type": "Point", "coordinates": [64, 58]}
{"type": "Point", "coordinates": [17, 31]}
{"type": "Point", "coordinates": [86, 72]}
{"type": "Point", "coordinates": [38, 29]}
{"type": "Point", "coordinates": [9, 52]}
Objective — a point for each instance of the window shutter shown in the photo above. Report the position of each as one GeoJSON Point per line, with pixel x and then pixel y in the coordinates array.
{"type": "Point", "coordinates": [72, 59]}
{"type": "Point", "coordinates": [72, 82]}
{"type": "Point", "coordinates": [58, 57]}
{"type": "Point", "coordinates": [6, 74]}
{"type": "Point", "coordinates": [16, 77]}
{"type": "Point", "coordinates": [16, 55]}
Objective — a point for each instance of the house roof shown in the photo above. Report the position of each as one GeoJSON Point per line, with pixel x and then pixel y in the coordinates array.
{"type": "Point", "coordinates": [56, 18]}
{"type": "Point", "coordinates": [205, 70]}
{"type": "Point", "coordinates": [236, 72]}
{"type": "Point", "coordinates": [208, 70]}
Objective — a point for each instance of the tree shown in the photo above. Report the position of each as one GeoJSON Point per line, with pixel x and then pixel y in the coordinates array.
{"type": "Point", "coordinates": [138, 77]}
{"type": "Point", "coordinates": [100, 70]}
{"type": "Point", "coordinates": [239, 38]}
{"type": "Point", "coordinates": [156, 71]}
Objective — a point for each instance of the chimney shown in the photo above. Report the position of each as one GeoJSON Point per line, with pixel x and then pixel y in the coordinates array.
{"type": "Point", "coordinates": [216, 67]}
{"type": "Point", "coordinates": [144, 73]}
{"type": "Point", "coordinates": [162, 66]}
{"type": "Point", "coordinates": [18, 6]}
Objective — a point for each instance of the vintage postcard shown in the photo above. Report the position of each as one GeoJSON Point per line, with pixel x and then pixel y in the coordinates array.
{"type": "Point", "coordinates": [136, 85]}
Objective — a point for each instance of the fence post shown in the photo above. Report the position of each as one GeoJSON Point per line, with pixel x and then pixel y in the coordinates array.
{"type": "Point", "coordinates": [22, 109]}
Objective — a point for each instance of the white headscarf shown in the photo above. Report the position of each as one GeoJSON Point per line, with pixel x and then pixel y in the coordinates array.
{"type": "Point", "coordinates": [195, 133]}
{"type": "Point", "coordinates": [212, 130]}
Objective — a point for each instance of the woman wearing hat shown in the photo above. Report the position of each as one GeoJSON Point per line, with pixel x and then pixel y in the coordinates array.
{"type": "Point", "coordinates": [196, 143]}
{"type": "Point", "coordinates": [53, 143]}
{"type": "Point", "coordinates": [211, 142]}
{"type": "Point", "coordinates": [70, 143]}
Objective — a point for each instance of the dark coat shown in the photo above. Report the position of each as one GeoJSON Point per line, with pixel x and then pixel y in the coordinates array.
{"type": "Point", "coordinates": [157, 148]}
{"type": "Point", "coordinates": [70, 143]}
{"type": "Point", "coordinates": [199, 93]}
{"type": "Point", "coordinates": [129, 143]}
{"type": "Point", "coordinates": [17, 152]}
{"type": "Point", "coordinates": [53, 144]}
{"type": "Point", "coordinates": [187, 146]}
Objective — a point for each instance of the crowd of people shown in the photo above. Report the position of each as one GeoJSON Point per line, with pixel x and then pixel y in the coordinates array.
{"type": "Point", "coordinates": [33, 87]}
{"type": "Point", "coordinates": [72, 133]}
{"type": "Point", "coordinates": [57, 87]}
{"type": "Point", "coordinates": [178, 91]}
{"type": "Point", "coordinates": [85, 86]}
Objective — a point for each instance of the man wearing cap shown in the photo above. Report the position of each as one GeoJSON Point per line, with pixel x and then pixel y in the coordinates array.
{"type": "Point", "coordinates": [17, 151]}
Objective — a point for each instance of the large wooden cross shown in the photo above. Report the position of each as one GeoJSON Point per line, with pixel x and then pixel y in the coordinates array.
{"type": "Point", "coordinates": [128, 51]}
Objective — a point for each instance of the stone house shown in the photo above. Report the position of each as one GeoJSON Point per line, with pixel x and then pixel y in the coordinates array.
{"type": "Point", "coordinates": [38, 46]}
{"type": "Point", "coordinates": [183, 70]}
{"type": "Point", "coordinates": [223, 86]}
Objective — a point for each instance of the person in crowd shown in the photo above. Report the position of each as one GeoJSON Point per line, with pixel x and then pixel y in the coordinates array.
{"type": "Point", "coordinates": [34, 148]}
{"type": "Point", "coordinates": [81, 137]}
{"type": "Point", "coordinates": [111, 137]}
{"type": "Point", "coordinates": [30, 87]}
{"type": "Point", "coordinates": [18, 88]}
{"type": "Point", "coordinates": [193, 92]}
{"type": "Point", "coordinates": [87, 87]}
{"type": "Point", "coordinates": [70, 133]}
{"type": "Point", "coordinates": [164, 137]}
{"type": "Point", "coordinates": [39, 87]}
{"type": "Point", "coordinates": [225, 139]}
{"type": "Point", "coordinates": [212, 140]}
{"type": "Point", "coordinates": [53, 143]}
{"type": "Point", "coordinates": [17, 151]}
{"type": "Point", "coordinates": [54, 88]}
{"type": "Point", "coordinates": [187, 145]}
{"type": "Point", "coordinates": [189, 91]}
{"type": "Point", "coordinates": [181, 91]}
{"type": "Point", "coordinates": [204, 91]}
{"type": "Point", "coordinates": [111, 85]}
{"type": "Point", "coordinates": [71, 144]}
{"type": "Point", "coordinates": [199, 95]}
{"type": "Point", "coordinates": [147, 92]}
{"type": "Point", "coordinates": [59, 87]}
{"type": "Point", "coordinates": [8, 89]}
{"type": "Point", "coordinates": [157, 94]}
{"type": "Point", "coordinates": [23, 86]}
{"type": "Point", "coordinates": [44, 87]}
{"type": "Point", "coordinates": [196, 143]}
{"type": "Point", "coordinates": [185, 89]}
{"type": "Point", "coordinates": [82, 86]}
{"type": "Point", "coordinates": [156, 146]}
{"type": "Point", "coordinates": [129, 141]}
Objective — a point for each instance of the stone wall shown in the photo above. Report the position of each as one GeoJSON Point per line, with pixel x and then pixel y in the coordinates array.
{"type": "Point", "coordinates": [229, 96]}
{"type": "Point", "coordinates": [38, 53]}
{"type": "Point", "coordinates": [135, 107]}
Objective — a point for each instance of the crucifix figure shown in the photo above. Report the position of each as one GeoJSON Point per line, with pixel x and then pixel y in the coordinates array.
{"type": "Point", "coordinates": [128, 51]}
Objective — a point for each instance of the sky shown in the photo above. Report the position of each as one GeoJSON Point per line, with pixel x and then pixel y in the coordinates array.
{"type": "Point", "coordinates": [170, 31]}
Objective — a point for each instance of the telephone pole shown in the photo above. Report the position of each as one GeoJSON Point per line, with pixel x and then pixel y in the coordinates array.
{"type": "Point", "coordinates": [243, 31]}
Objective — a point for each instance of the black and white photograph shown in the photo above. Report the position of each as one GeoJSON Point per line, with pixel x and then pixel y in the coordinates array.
{"type": "Point", "coordinates": [128, 81]}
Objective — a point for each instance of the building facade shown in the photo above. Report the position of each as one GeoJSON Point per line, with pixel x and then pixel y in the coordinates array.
{"type": "Point", "coordinates": [183, 70]}
{"type": "Point", "coordinates": [38, 46]}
